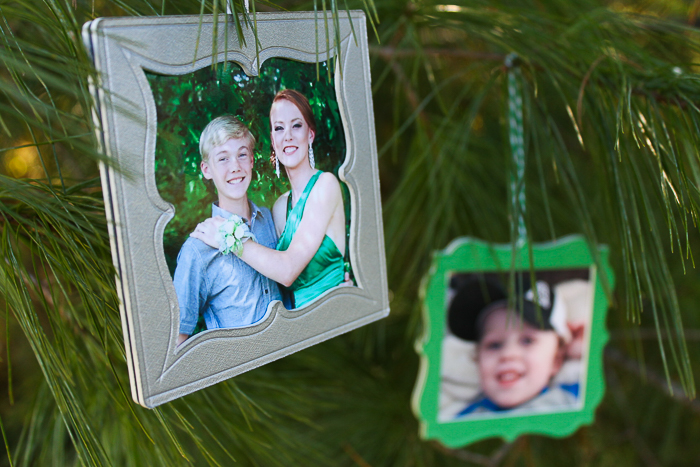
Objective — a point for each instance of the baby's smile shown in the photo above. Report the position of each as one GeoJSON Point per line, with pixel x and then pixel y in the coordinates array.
{"type": "Point", "coordinates": [516, 360]}
{"type": "Point", "coordinates": [509, 377]}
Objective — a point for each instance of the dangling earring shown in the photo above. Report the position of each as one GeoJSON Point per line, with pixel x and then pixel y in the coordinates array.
{"type": "Point", "coordinates": [312, 162]}
{"type": "Point", "coordinates": [277, 164]}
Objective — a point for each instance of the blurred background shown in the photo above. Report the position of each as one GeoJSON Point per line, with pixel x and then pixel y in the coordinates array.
{"type": "Point", "coordinates": [611, 119]}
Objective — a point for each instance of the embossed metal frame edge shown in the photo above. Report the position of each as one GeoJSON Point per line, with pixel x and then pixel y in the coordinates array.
{"type": "Point", "coordinates": [125, 119]}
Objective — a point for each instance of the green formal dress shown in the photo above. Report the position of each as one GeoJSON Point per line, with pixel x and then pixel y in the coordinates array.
{"type": "Point", "coordinates": [326, 268]}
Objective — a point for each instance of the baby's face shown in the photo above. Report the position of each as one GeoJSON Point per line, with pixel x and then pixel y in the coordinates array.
{"type": "Point", "coordinates": [516, 360]}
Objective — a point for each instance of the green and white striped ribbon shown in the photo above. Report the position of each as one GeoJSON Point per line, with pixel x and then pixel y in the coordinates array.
{"type": "Point", "coordinates": [517, 145]}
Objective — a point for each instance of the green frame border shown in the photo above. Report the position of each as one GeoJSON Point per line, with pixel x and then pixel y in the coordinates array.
{"type": "Point", "coordinates": [472, 255]}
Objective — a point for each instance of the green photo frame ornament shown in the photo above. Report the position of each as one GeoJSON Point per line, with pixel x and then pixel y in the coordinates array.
{"type": "Point", "coordinates": [467, 256]}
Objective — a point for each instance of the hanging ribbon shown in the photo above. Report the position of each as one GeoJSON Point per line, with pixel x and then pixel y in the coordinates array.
{"type": "Point", "coordinates": [229, 7]}
{"type": "Point", "coordinates": [517, 145]}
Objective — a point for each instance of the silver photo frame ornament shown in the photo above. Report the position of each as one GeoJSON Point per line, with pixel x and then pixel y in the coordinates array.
{"type": "Point", "coordinates": [124, 51]}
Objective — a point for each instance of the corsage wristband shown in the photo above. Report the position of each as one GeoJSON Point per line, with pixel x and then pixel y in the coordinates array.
{"type": "Point", "coordinates": [232, 234]}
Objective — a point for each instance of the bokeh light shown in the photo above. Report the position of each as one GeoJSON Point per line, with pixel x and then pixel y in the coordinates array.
{"type": "Point", "coordinates": [22, 162]}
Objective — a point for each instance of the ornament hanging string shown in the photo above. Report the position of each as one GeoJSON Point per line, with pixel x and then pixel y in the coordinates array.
{"type": "Point", "coordinates": [517, 145]}
{"type": "Point", "coordinates": [229, 7]}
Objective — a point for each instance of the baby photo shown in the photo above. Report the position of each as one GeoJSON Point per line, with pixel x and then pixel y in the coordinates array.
{"type": "Point", "coordinates": [514, 346]}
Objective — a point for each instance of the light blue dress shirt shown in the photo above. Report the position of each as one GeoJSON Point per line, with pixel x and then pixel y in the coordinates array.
{"type": "Point", "coordinates": [223, 288]}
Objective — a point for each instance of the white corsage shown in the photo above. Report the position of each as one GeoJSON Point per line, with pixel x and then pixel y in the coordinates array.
{"type": "Point", "coordinates": [232, 234]}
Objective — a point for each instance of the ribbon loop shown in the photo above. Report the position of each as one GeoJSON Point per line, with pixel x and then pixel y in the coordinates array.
{"type": "Point", "coordinates": [517, 145]}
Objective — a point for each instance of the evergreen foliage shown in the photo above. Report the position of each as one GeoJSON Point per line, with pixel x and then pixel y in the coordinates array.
{"type": "Point", "coordinates": [612, 130]}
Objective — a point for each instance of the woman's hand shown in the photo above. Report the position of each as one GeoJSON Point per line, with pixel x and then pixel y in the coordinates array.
{"type": "Point", "coordinates": [208, 230]}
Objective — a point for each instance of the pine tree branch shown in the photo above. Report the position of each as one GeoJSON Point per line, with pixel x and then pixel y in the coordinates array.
{"type": "Point", "coordinates": [388, 53]}
{"type": "Point", "coordinates": [355, 456]}
{"type": "Point", "coordinates": [653, 334]}
{"type": "Point", "coordinates": [693, 13]}
{"type": "Point", "coordinates": [476, 458]}
{"type": "Point", "coordinates": [631, 433]}
{"type": "Point", "coordinates": [671, 388]}
{"type": "Point", "coordinates": [411, 95]}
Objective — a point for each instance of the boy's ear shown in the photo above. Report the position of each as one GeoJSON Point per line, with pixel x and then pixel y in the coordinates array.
{"type": "Point", "coordinates": [559, 358]}
{"type": "Point", "coordinates": [206, 171]}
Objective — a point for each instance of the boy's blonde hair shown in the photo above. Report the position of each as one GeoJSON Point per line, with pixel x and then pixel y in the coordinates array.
{"type": "Point", "coordinates": [220, 130]}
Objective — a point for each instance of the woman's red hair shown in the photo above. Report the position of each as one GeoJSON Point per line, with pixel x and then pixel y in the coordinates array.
{"type": "Point", "coordinates": [302, 103]}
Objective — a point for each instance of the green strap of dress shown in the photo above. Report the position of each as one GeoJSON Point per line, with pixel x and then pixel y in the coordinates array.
{"type": "Point", "coordinates": [326, 268]}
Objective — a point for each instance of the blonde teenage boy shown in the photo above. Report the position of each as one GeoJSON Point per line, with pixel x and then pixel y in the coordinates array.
{"type": "Point", "coordinates": [221, 287]}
